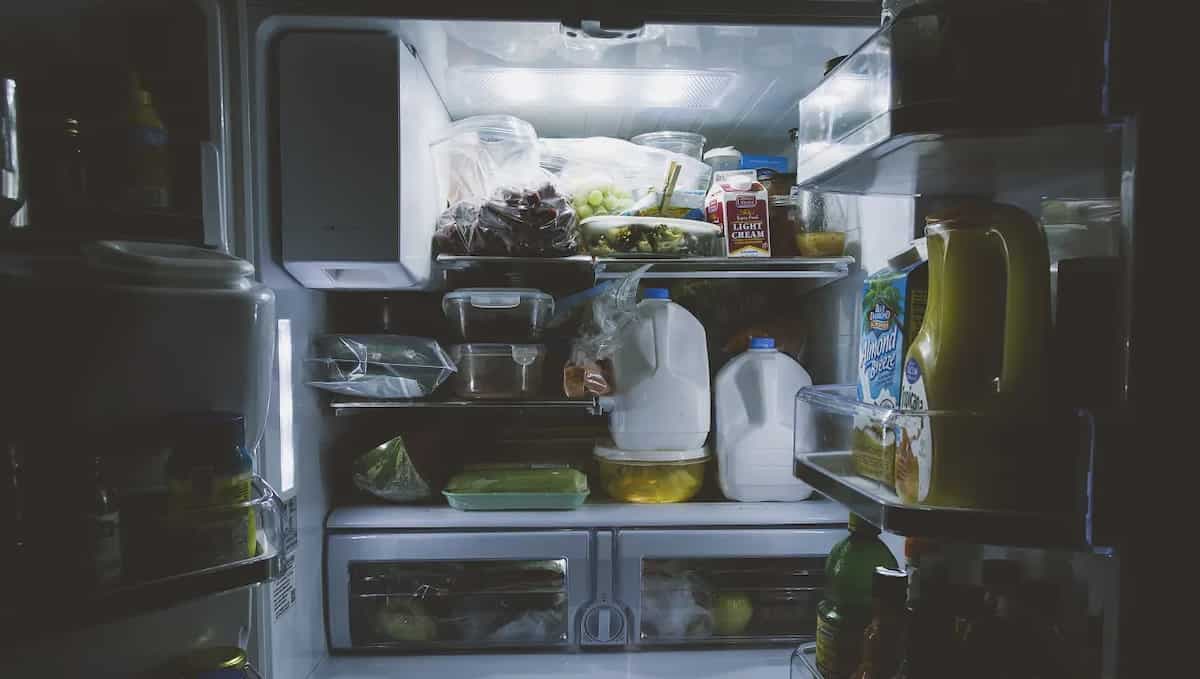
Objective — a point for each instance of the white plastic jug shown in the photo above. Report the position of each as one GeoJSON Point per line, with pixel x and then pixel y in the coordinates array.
{"type": "Point", "coordinates": [756, 394]}
{"type": "Point", "coordinates": [660, 369]}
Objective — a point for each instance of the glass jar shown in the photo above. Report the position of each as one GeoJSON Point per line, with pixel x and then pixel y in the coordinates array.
{"type": "Point", "coordinates": [822, 227]}
{"type": "Point", "coordinates": [785, 225]}
{"type": "Point", "coordinates": [216, 662]}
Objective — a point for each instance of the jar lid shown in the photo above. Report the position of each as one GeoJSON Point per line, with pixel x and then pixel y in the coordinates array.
{"type": "Point", "coordinates": [607, 450]}
{"type": "Point", "coordinates": [722, 152]}
{"type": "Point", "coordinates": [783, 201]}
{"type": "Point", "coordinates": [213, 658]}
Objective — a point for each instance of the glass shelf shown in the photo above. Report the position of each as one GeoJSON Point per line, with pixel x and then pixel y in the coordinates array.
{"type": "Point", "coordinates": [1057, 507]}
{"type": "Point", "coordinates": [940, 89]}
{"type": "Point", "coordinates": [592, 406]}
{"type": "Point", "coordinates": [76, 608]}
{"type": "Point", "coordinates": [804, 662]}
{"type": "Point", "coordinates": [825, 269]}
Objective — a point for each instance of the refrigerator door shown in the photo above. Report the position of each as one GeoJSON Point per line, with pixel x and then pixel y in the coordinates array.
{"type": "Point", "coordinates": [452, 591]}
{"type": "Point", "coordinates": [721, 587]}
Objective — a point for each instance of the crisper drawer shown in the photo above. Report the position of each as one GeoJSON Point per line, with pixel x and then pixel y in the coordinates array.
{"type": "Point", "coordinates": [456, 591]}
{"type": "Point", "coordinates": [721, 587]}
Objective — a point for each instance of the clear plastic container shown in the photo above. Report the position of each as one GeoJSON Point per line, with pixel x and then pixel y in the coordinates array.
{"type": "Point", "coordinates": [651, 476]}
{"type": "Point", "coordinates": [378, 366]}
{"type": "Point", "coordinates": [821, 228]}
{"type": "Point", "coordinates": [477, 154]}
{"type": "Point", "coordinates": [620, 236]}
{"type": "Point", "coordinates": [497, 314]}
{"type": "Point", "coordinates": [686, 143]}
{"type": "Point", "coordinates": [723, 158]}
{"type": "Point", "coordinates": [497, 371]}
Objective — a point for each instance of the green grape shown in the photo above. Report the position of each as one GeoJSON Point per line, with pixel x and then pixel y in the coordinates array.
{"type": "Point", "coordinates": [600, 211]}
{"type": "Point", "coordinates": [623, 193]}
{"type": "Point", "coordinates": [595, 198]}
{"type": "Point", "coordinates": [624, 204]}
{"type": "Point", "coordinates": [611, 202]}
{"type": "Point", "coordinates": [583, 211]}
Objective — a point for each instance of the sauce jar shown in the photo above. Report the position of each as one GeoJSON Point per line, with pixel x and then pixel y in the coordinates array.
{"type": "Point", "coordinates": [216, 662]}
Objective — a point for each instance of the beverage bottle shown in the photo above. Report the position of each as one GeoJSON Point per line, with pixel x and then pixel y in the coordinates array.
{"type": "Point", "coordinates": [990, 638]}
{"type": "Point", "coordinates": [883, 638]}
{"type": "Point", "coordinates": [846, 610]}
{"type": "Point", "coordinates": [209, 483]}
{"type": "Point", "coordinates": [148, 182]}
{"type": "Point", "coordinates": [99, 527]}
{"type": "Point", "coordinates": [928, 628]}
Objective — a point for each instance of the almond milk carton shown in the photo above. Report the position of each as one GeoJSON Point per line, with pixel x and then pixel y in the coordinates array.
{"type": "Point", "coordinates": [737, 202]}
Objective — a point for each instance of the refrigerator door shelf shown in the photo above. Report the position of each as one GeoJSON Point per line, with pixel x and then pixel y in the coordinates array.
{"type": "Point", "coordinates": [37, 608]}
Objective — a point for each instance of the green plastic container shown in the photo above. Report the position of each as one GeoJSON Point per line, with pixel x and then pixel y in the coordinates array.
{"type": "Point", "coordinates": [494, 502]}
{"type": "Point", "coordinates": [517, 487]}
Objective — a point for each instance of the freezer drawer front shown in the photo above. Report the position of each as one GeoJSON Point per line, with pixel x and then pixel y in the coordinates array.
{"type": "Point", "coordinates": [416, 592]}
{"type": "Point", "coordinates": [727, 587]}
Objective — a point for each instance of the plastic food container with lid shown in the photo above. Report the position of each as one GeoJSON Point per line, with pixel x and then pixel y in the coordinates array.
{"type": "Point", "coordinates": [497, 314]}
{"type": "Point", "coordinates": [723, 158]}
{"type": "Point", "coordinates": [686, 143]}
{"type": "Point", "coordinates": [517, 488]}
{"type": "Point", "coordinates": [620, 236]}
{"type": "Point", "coordinates": [651, 476]}
{"type": "Point", "coordinates": [497, 371]}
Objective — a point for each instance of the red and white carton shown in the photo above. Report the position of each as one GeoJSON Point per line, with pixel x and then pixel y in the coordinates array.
{"type": "Point", "coordinates": [737, 202]}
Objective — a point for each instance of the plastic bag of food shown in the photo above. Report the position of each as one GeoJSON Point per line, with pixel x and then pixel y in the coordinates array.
{"type": "Point", "coordinates": [520, 220]}
{"type": "Point", "coordinates": [603, 175]}
{"type": "Point", "coordinates": [517, 479]}
{"type": "Point", "coordinates": [610, 306]}
{"type": "Point", "coordinates": [387, 472]}
{"type": "Point", "coordinates": [479, 154]}
{"type": "Point", "coordinates": [378, 366]}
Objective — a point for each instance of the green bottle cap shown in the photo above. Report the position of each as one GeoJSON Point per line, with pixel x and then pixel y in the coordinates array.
{"type": "Point", "coordinates": [857, 524]}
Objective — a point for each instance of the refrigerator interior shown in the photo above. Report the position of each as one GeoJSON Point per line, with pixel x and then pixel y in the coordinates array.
{"type": "Point", "coordinates": [738, 84]}
{"type": "Point", "coordinates": [735, 84]}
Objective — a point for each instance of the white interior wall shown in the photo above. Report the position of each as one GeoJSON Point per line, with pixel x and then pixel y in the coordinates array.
{"type": "Point", "coordinates": [738, 85]}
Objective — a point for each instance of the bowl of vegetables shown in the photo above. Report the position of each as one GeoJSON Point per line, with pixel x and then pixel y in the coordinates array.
{"type": "Point", "coordinates": [621, 236]}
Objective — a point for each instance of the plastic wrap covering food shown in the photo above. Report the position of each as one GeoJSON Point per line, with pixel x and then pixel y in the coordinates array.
{"type": "Point", "coordinates": [602, 311]}
{"type": "Point", "coordinates": [606, 176]}
{"type": "Point", "coordinates": [387, 472]}
{"type": "Point", "coordinates": [517, 479]}
{"type": "Point", "coordinates": [501, 202]}
{"type": "Point", "coordinates": [517, 221]}
{"type": "Point", "coordinates": [378, 366]}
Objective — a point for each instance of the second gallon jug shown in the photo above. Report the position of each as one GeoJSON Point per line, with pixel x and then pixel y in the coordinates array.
{"type": "Point", "coordinates": [755, 395]}
{"type": "Point", "coordinates": [660, 368]}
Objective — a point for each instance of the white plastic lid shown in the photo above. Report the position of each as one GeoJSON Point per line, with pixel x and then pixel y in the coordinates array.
{"type": "Point", "coordinates": [167, 264]}
{"type": "Point", "coordinates": [722, 152]}
{"type": "Point", "coordinates": [607, 450]}
{"type": "Point", "coordinates": [496, 298]}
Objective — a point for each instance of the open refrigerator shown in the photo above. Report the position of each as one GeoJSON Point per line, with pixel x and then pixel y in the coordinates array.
{"type": "Point", "coordinates": [304, 132]}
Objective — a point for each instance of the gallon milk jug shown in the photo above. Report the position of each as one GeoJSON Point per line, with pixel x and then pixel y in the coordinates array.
{"type": "Point", "coordinates": [756, 394]}
{"type": "Point", "coordinates": [660, 368]}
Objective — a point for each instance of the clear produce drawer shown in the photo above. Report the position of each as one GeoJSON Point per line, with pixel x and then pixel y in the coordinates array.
{"type": "Point", "coordinates": [703, 587]}
{"type": "Point", "coordinates": [456, 591]}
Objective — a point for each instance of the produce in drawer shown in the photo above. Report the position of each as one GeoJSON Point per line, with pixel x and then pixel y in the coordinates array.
{"type": "Point", "coordinates": [404, 619]}
{"type": "Point", "coordinates": [731, 613]}
{"type": "Point", "coordinates": [641, 236]}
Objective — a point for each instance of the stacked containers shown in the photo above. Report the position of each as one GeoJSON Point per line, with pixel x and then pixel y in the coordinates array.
{"type": "Point", "coordinates": [660, 417]}
{"type": "Point", "coordinates": [497, 358]}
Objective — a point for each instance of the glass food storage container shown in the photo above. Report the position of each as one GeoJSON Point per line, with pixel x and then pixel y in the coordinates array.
{"type": "Point", "coordinates": [497, 371]}
{"type": "Point", "coordinates": [785, 225]}
{"type": "Point", "coordinates": [822, 225]}
{"type": "Point", "coordinates": [685, 143]}
{"type": "Point", "coordinates": [497, 314]}
{"type": "Point", "coordinates": [620, 236]}
{"type": "Point", "coordinates": [651, 476]}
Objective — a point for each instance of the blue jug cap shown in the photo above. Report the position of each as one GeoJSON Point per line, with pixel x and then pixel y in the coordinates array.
{"type": "Point", "coordinates": [762, 342]}
{"type": "Point", "coordinates": [656, 293]}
